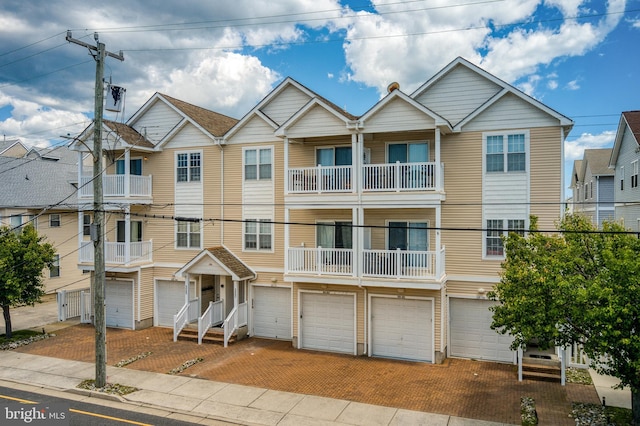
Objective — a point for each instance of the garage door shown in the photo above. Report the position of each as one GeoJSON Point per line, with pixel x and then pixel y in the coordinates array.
{"type": "Point", "coordinates": [119, 304]}
{"type": "Point", "coordinates": [471, 333]}
{"type": "Point", "coordinates": [328, 322]}
{"type": "Point", "coordinates": [402, 328]}
{"type": "Point", "coordinates": [272, 312]}
{"type": "Point", "coordinates": [170, 299]}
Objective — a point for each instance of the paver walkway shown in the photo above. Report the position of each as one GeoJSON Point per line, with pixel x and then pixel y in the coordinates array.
{"type": "Point", "coordinates": [462, 388]}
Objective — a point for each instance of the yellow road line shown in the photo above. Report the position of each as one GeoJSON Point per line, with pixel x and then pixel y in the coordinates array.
{"type": "Point", "coordinates": [86, 413]}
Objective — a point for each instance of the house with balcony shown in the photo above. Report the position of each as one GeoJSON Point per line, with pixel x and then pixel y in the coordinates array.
{"type": "Point", "coordinates": [592, 182]}
{"type": "Point", "coordinates": [624, 164]}
{"type": "Point", "coordinates": [373, 235]}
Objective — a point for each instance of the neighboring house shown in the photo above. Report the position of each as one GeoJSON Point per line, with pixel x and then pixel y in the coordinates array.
{"type": "Point", "coordinates": [313, 225]}
{"type": "Point", "coordinates": [592, 182]}
{"type": "Point", "coordinates": [12, 148]}
{"type": "Point", "coordinates": [624, 161]}
{"type": "Point", "coordinates": [44, 194]}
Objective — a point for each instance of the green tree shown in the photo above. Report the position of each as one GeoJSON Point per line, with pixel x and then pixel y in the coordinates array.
{"type": "Point", "coordinates": [23, 256]}
{"type": "Point", "coordinates": [578, 286]}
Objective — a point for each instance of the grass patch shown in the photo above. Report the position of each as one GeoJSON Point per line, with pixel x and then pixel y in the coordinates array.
{"type": "Point", "coordinates": [110, 388]}
{"type": "Point", "coordinates": [597, 415]}
{"type": "Point", "coordinates": [19, 335]}
{"type": "Point", "coordinates": [619, 416]}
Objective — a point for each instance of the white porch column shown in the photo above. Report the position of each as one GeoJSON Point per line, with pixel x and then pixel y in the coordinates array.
{"type": "Point", "coordinates": [187, 296]}
{"type": "Point", "coordinates": [360, 232]}
{"type": "Point", "coordinates": [127, 172]}
{"type": "Point", "coordinates": [286, 166]}
{"type": "Point", "coordinates": [80, 232]}
{"type": "Point", "coordinates": [356, 163]}
{"type": "Point", "coordinates": [286, 240]}
{"type": "Point", "coordinates": [439, 173]}
{"type": "Point", "coordinates": [127, 234]}
{"type": "Point", "coordinates": [80, 170]}
{"type": "Point", "coordinates": [439, 270]}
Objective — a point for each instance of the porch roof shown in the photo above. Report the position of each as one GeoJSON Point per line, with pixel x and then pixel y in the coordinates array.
{"type": "Point", "coordinates": [223, 258]}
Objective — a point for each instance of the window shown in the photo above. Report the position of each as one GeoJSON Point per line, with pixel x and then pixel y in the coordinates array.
{"type": "Point", "coordinates": [135, 233]}
{"type": "Point", "coordinates": [54, 270]}
{"type": "Point", "coordinates": [188, 234]}
{"type": "Point", "coordinates": [634, 174]}
{"type": "Point", "coordinates": [135, 166]}
{"type": "Point", "coordinates": [257, 235]}
{"type": "Point", "coordinates": [257, 164]}
{"type": "Point", "coordinates": [622, 178]}
{"type": "Point", "coordinates": [334, 235]}
{"type": "Point", "coordinates": [412, 236]}
{"type": "Point", "coordinates": [495, 231]}
{"type": "Point", "coordinates": [506, 152]}
{"type": "Point", "coordinates": [591, 190]}
{"type": "Point", "coordinates": [54, 221]}
{"type": "Point", "coordinates": [188, 167]}
{"type": "Point", "coordinates": [338, 156]}
{"type": "Point", "coordinates": [86, 224]}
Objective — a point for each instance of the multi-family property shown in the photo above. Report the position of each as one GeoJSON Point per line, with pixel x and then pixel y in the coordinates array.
{"type": "Point", "coordinates": [39, 188]}
{"type": "Point", "coordinates": [624, 162]}
{"type": "Point", "coordinates": [377, 234]}
{"type": "Point", "coordinates": [592, 182]}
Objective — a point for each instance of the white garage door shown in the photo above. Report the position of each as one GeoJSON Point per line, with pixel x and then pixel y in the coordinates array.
{"type": "Point", "coordinates": [471, 333]}
{"type": "Point", "coordinates": [119, 303]}
{"type": "Point", "coordinates": [327, 322]}
{"type": "Point", "coordinates": [402, 328]}
{"type": "Point", "coordinates": [272, 312]}
{"type": "Point", "coordinates": [169, 300]}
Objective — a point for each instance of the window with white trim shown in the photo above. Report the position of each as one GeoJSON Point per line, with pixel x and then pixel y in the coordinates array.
{"type": "Point", "coordinates": [54, 270]}
{"type": "Point", "coordinates": [257, 164]}
{"type": "Point", "coordinates": [86, 224]}
{"type": "Point", "coordinates": [634, 174]}
{"type": "Point", "coordinates": [188, 234]}
{"type": "Point", "coordinates": [258, 234]}
{"type": "Point", "coordinates": [622, 178]}
{"type": "Point", "coordinates": [54, 220]}
{"type": "Point", "coordinates": [188, 166]}
{"type": "Point", "coordinates": [506, 153]}
{"type": "Point", "coordinates": [496, 229]}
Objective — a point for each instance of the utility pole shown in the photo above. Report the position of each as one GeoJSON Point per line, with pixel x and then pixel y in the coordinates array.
{"type": "Point", "coordinates": [97, 232]}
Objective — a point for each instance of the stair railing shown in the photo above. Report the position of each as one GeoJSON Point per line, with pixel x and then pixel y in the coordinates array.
{"type": "Point", "coordinates": [212, 316]}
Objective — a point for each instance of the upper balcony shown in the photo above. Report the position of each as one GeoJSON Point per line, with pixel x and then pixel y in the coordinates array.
{"type": "Point", "coordinates": [117, 253]}
{"type": "Point", "coordinates": [121, 186]}
{"type": "Point", "coordinates": [397, 177]}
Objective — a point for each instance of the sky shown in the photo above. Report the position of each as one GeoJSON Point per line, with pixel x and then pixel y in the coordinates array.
{"type": "Point", "coordinates": [579, 57]}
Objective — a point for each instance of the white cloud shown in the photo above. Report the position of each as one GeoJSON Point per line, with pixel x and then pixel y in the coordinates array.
{"type": "Point", "coordinates": [573, 150]}
{"type": "Point", "coordinates": [552, 84]}
{"type": "Point", "coordinates": [573, 85]}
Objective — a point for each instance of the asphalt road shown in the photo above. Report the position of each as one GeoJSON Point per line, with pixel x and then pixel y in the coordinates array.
{"type": "Point", "coordinates": [75, 413]}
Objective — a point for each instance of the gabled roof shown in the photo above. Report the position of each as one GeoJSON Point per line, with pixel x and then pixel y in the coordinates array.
{"type": "Point", "coordinates": [33, 183]}
{"type": "Point", "coordinates": [628, 120]}
{"type": "Point", "coordinates": [60, 154]}
{"type": "Point", "coordinates": [213, 122]}
{"type": "Point", "coordinates": [7, 144]}
{"type": "Point", "coordinates": [128, 134]}
{"type": "Point", "coordinates": [597, 161]}
{"type": "Point", "coordinates": [322, 103]}
{"type": "Point", "coordinates": [507, 88]}
{"type": "Point", "coordinates": [576, 173]}
{"type": "Point", "coordinates": [397, 94]}
{"type": "Point", "coordinates": [226, 260]}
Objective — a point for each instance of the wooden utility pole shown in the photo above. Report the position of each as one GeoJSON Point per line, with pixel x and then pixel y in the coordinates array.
{"type": "Point", "coordinates": [97, 231]}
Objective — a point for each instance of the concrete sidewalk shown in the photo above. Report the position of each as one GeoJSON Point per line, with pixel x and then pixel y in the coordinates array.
{"type": "Point", "coordinates": [208, 402]}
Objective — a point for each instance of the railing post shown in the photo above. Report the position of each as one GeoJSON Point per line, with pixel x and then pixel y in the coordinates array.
{"type": "Point", "coordinates": [397, 176]}
{"type": "Point", "coordinates": [319, 185]}
{"type": "Point", "coordinates": [319, 260]}
{"type": "Point", "coordinates": [61, 305]}
{"type": "Point", "coordinates": [398, 263]}
{"type": "Point", "coordinates": [520, 355]}
{"type": "Point", "coordinates": [563, 366]}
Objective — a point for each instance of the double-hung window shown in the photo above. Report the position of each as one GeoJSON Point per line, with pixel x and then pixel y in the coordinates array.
{"type": "Point", "coordinates": [188, 234]}
{"type": "Point", "coordinates": [634, 174]}
{"type": "Point", "coordinates": [188, 166]}
{"type": "Point", "coordinates": [54, 220]}
{"type": "Point", "coordinates": [86, 224]}
{"type": "Point", "coordinates": [506, 153]}
{"type": "Point", "coordinates": [258, 235]}
{"type": "Point", "coordinates": [257, 164]}
{"type": "Point", "coordinates": [54, 270]}
{"type": "Point", "coordinates": [496, 229]}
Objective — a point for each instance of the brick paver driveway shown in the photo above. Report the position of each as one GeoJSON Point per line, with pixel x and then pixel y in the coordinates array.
{"type": "Point", "coordinates": [463, 388]}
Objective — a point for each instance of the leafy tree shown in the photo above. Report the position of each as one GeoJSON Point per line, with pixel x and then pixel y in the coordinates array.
{"type": "Point", "coordinates": [578, 286]}
{"type": "Point", "coordinates": [23, 256]}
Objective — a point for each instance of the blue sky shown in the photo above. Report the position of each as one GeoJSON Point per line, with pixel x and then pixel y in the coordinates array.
{"type": "Point", "coordinates": [580, 58]}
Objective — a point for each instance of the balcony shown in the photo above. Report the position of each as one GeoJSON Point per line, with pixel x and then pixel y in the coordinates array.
{"type": "Point", "coordinates": [375, 177]}
{"type": "Point", "coordinates": [122, 186]}
{"type": "Point", "coordinates": [389, 264]}
{"type": "Point", "coordinates": [119, 253]}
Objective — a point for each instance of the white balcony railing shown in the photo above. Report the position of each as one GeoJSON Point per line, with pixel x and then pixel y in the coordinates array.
{"type": "Point", "coordinates": [396, 264]}
{"type": "Point", "coordinates": [118, 186]}
{"type": "Point", "coordinates": [399, 177]}
{"type": "Point", "coordinates": [119, 253]}
{"type": "Point", "coordinates": [375, 177]}
{"type": "Point", "coordinates": [320, 179]}
{"type": "Point", "coordinates": [321, 261]}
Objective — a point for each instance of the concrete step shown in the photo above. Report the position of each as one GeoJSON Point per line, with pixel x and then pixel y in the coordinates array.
{"type": "Point", "coordinates": [546, 370]}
